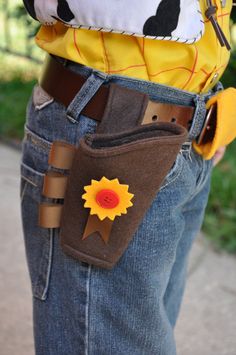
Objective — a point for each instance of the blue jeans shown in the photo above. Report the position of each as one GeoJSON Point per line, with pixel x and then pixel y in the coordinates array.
{"type": "Point", "coordinates": [131, 309]}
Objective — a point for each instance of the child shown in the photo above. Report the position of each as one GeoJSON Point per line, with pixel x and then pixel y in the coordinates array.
{"type": "Point", "coordinates": [170, 51]}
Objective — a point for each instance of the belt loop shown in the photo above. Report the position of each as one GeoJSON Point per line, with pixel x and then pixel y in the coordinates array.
{"type": "Point", "coordinates": [85, 94]}
{"type": "Point", "coordinates": [218, 87]}
{"type": "Point", "coordinates": [199, 117]}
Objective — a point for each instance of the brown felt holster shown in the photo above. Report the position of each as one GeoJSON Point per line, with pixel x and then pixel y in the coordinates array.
{"type": "Point", "coordinates": [136, 158]}
{"type": "Point", "coordinates": [140, 158]}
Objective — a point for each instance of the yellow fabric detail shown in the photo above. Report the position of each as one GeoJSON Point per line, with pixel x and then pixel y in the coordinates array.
{"type": "Point", "coordinates": [191, 67]}
{"type": "Point", "coordinates": [225, 125]}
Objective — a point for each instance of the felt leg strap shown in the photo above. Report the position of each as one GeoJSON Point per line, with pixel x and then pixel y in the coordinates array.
{"type": "Point", "coordinates": [50, 215]}
{"type": "Point", "coordinates": [61, 155]}
{"type": "Point", "coordinates": [55, 185]}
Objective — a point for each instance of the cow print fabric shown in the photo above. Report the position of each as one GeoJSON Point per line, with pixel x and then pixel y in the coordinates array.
{"type": "Point", "coordinates": [177, 20]}
{"type": "Point", "coordinates": [64, 12]}
{"type": "Point", "coordinates": [165, 21]}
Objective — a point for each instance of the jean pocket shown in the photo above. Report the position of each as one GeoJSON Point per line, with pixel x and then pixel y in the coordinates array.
{"type": "Point", "coordinates": [174, 172]}
{"type": "Point", "coordinates": [46, 117]}
{"type": "Point", "coordinates": [40, 98]}
{"type": "Point", "coordinates": [38, 241]}
{"type": "Point", "coordinates": [35, 151]}
{"type": "Point", "coordinates": [86, 125]}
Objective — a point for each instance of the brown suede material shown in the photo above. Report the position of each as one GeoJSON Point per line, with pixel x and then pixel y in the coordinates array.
{"type": "Point", "coordinates": [125, 109]}
{"type": "Point", "coordinates": [139, 157]}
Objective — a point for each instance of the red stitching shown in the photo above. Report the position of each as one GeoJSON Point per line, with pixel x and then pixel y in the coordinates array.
{"type": "Point", "coordinates": [193, 69]}
{"type": "Point", "coordinates": [205, 72]}
{"type": "Point", "coordinates": [166, 70]}
{"type": "Point", "coordinates": [55, 30]}
{"type": "Point", "coordinates": [131, 66]}
{"type": "Point", "coordinates": [75, 43]}
{"type": "Point", "coordinates": [222, 66]}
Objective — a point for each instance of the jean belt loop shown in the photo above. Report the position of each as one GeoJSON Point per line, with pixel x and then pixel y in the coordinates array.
{"type": "Point", "coordinates": [85, 94]}
{"type": "Point", "coordinates": [199, 117]}
{"type": "Point", "coordinates": [218, 87]}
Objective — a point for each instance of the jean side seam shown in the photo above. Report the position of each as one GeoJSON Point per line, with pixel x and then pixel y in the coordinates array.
{"type": "Point", "coordinates": [86, 342]}
{"type": "Point", "coordinates": [180, 169]}
{"type": "Point", "coordinates": [29, 181]}
{"type": "Point", "coordinates": [204, 176]}
{"type": "Point", "coordinates": [51, 236]}
{"type": "Point", "coordinates": [23, 192]}
{"type": "Point", "coordinates": [36, 140]}
{"type": "Point", "coordinates": [27, 167]}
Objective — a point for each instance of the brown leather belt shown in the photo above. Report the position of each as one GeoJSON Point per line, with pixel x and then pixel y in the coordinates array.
{"type": "Point", "coordinates": [63, 84]}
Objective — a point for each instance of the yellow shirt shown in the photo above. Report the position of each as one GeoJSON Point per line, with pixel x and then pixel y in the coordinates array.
{"type": "Point", "coordinates": [192, 67]}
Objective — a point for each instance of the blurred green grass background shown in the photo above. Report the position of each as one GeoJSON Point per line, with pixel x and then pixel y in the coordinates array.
{"type": "Point", "coordinates": [17, 78]}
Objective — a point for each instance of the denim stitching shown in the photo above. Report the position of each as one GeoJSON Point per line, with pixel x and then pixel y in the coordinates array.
{"type": "Point", "coordinates": [41, 284]}
{"type": "Point", "coordinates": [173, 180]}
{"type": "Point", "coordinates": [145, 83]}
{"type": "Point", "coordinates": [71, 119]}
{"type": "Point", "coordinates": [23, 191]}
{"type": "Point", "coordinates": [204, 175]}
{"type": "Point", "coordinates": [85, 94]}
{"type": "Point", "coordinates": [29, 181]}
{"type": "Point", "coordinates": [81, 97]}
{"type": "Point", "coordinates": [45, 104]}
{"type": "Point", "coordinates": [188, 150]}
{"type": "Point", "coordinates": [86, 350]}
{"type": "Point", "coordinates": [91, 128]}
{"type": "Point", "coordinates": [186, 147]}
{"type": "Point", "coordinates": [33, 177]}
{"type": "Point", "coordinates": [152, 89]}
{"type": "Point", "coordinates": [36, 140]}
{"type": "Point", "coordinates": [204, 171]}
{"type": "Point", "coordinates": [26, 167]}
{"type": "Point", "coordinates": [51, 237]}
{"type": "Point", "coordinates": [198, 119]}
{"type": "Point", "coordinates": [87, 71]}
{"type": "Point", "coordinates": [39, 92]}
{"type": "Point", "coordinates": [178, 171]}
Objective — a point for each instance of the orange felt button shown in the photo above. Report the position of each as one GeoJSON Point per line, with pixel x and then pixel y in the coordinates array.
{"type": "Point", "coordinates": [107, 198]}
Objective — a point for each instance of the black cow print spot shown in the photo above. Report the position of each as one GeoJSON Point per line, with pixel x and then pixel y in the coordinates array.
{"type": "Point", "coordinates": [30, 8]}
{"type": "Point", "coordinates": [64, 11]}
{"type": "Point", "coordinates": [165, 21]}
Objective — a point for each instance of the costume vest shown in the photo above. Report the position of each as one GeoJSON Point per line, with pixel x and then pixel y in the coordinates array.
{"type": "Point", "coordinates": [175, 20]}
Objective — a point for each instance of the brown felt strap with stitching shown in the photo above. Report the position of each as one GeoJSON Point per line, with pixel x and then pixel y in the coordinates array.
{"type": "Point", "coordinates": [61, 155]}
{"type": "Point", "coordinates": [55, 185]}
{"type": "Point", "coordinates": [50, 215]}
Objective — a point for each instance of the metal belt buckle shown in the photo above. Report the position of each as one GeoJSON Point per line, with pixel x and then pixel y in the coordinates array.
{"type": "Point", "coordinates": [208, 130]}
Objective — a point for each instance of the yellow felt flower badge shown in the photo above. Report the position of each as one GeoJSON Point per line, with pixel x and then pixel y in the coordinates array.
{"type": "Point", "coordinates": [107, 198]}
